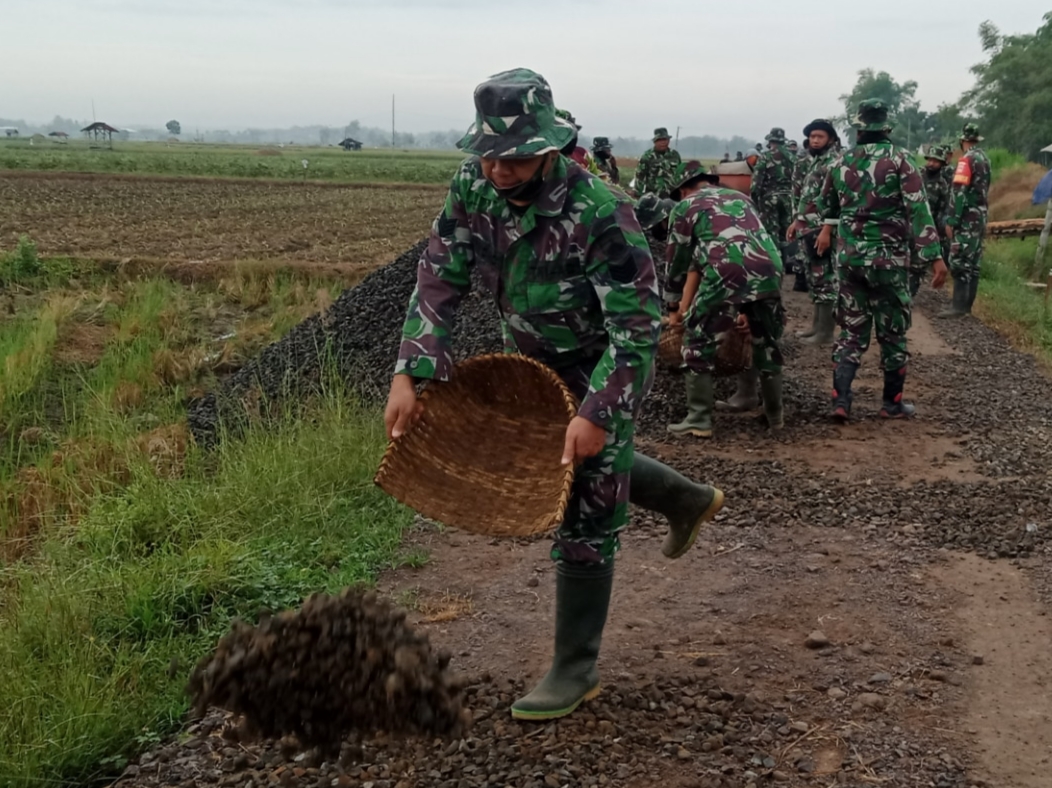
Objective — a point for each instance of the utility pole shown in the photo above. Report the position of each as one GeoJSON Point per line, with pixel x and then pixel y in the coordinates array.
{"type": "Point", "coordinates": [392, 120]}
{"type": "Point", "coordinates": [677, 137]}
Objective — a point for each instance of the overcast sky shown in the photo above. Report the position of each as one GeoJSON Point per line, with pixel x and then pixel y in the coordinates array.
{"type": "Point", "coordinates": [621, 66]}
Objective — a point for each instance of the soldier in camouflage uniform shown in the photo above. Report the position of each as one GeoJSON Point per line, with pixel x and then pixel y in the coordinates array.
{"type": "Point", "coordinates": [875, 196]}
{"type": "Point", "coordinates": [724, 274]}
{"type": "Point", "coordinates": [823, 145]}
{"type": "Point", "coordinates": [572, 150]}
{"type": "Point", "coordinates": [966, 222]}
{"type": "Point", "coordinates": [772, 185]}
{"type": "Point", "coordinates": [574, 282]}
{"type": "Point", "coordinates": [602, 150]}
{"type": "Point", "coordinates": [937, 187]}
{"type": "Point", "coordinates": [658, 166]}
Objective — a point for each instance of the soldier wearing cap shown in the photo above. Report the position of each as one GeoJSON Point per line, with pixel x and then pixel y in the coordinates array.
{"type": "Point", "coordinates": [572, 150]}
{"type": "Point", "coordinates": [602, 151]}
{"type": "Point", "coordinates": [574, 282]}
{"type": "Point", "coordinates": [657, 167]}
{"type": "Point", "coordinates": [937, 188]}
{"type": "Point", "coordinates": [823, 147]}
{"type": "Point", "coordinates": [966, 222]}
{"type": "Point", "coordinates": [772, 186]}
{"type": "Point", "coordinates": [724, 274]}
{"type": "Point", "coordinates": [874, 196]}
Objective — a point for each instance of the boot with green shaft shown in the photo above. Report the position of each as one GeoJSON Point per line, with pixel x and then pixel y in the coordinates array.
{"type": "Point", "coordinates": [814, 324]}
{"type": "Point", "coordinates": [582, 598]}
{"type": "Point", "coordinates": [771, 385]}
{"type": "Point", "coordinates": [959, 306]}
{"type": "Point", "coordinates": [826, 330]}
{"type": "Point", "coordinates": [746, 396]}
{"type": "Point", "coordinates": [687, 505]}
{"type": "Point", "coordinates": [701, 396]}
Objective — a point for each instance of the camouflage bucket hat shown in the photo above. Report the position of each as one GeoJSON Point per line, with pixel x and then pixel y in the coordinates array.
{"type": "Point", "coordinates": [601, 143]}
{"type": "Point", "coordinates": [970, 133]}
{"type": "Point", "coordinates": [688, 173]}
{"type": "Point", "coordinates": [939, 153]}
{"type": "Point", "coordinates": [872, 115]}
{"type": "Point", "coordinates": [661, 133]}
{"type": "Point", "coordinates": [515, 117]}
{"type": "Point", "coordinates": [777, 135]}
{"type": "Point", "coordinates": [652, 210]}
{"type": "Point", "coordinates": [565, 114]}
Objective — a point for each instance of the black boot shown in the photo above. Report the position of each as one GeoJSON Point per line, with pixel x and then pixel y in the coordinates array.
{"type": "Point", "coordinates": [800, 285]}
{"type": "Point", "coordinates": [686, 504]}
{"type": "Point", "coordinates": [916, 277]}
{"type": "Point", "coordinates": [582, 598]}
{"type": "Point", "coordinates": [843, 376]}
{"type": "Point", "coordinates": [959, 306]}
{"type": "Point", "coordinates": [894, 406]}
{"type": "Point", "coordinates": [973, 290]}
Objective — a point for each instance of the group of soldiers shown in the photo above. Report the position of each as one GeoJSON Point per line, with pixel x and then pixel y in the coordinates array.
{"type": "Point", "coordinates": [563, 252]}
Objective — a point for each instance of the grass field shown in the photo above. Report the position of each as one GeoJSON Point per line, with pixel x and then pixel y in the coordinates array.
{"type": "Point", "coordinates": [124, 552]}
{"type": "Point", "coordinates": [232, 161]}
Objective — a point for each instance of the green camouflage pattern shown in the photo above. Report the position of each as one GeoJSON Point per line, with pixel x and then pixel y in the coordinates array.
{"type": "Point", "coordinates": [970, 133]}
{"type": "Point", "coordinates": [515, 116]}
{"type": "Point", "coordinates": [605, 161]}
{"type": "Point", "coordinates": [574, 283]}
{"type": "Point", "coordinates": [705, 330]}
{"type": "Point", "coordinates": [872, 115]}
{"type": "Point", "coordinates": [968, 209]}
{"type": "Point", "coordinates": [652, 210]}
{"type": "Point", "coordinates": [820, 270]}
{"type": "Point", "coordinates": [772, 187]}
{"type": "Point", "coordinates": [937, 187]}
{"type": "Point", "coordinates": [873, 298]}
{"type": "Point", "coordinates": [657, 171]}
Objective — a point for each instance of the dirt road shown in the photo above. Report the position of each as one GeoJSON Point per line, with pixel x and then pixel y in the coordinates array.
{"type": "Point", "coordinates": [914, 555]}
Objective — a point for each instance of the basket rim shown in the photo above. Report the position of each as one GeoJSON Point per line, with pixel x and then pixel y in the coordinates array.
{"type": "Point", "coordinates": [397, 445]}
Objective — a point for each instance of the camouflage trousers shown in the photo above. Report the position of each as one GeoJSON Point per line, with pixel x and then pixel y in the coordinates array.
{"type": "Point", "coordinates": [598, 507]}
{"type": "Point", "coordinates": [966, 251]}
{"type": "Point", "coordinates": [776, 212]}
{"type": "Point", "coordinates": [706, 328]}
{"type": "Point", "coordinates": [919, 269]}
{"type": "Point", "coordinates": [873, 298]}
{"type": "Point", "coordinates": [821, 274]}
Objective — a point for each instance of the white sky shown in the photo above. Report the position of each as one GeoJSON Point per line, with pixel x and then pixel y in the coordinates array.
{"type": "Point", "coordinates": [621, 66]}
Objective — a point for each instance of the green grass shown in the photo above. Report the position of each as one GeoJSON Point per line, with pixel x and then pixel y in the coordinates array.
{"type": "Point", "coordinates": [119, 571]}
{"type": "Point", "coordinates": [234, 161]}
{"type": "Point", "coordinates": [1008, 303]}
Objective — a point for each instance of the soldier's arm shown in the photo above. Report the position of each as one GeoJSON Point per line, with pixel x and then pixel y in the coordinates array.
{"type": "Point", "coordinates": [915, 199]}
{"type": "Point", "coordinates": [962, 180]}
{"type": "Point", "coordinates": [621, 271]}
{"type": "Point", "coordinates": [758, 173]}
{"type": "Point", "coordinates": [442, 279]}
{"type": "Point", "coordinates": [827, 202]}
{"type": "Point", "coordinates": [643, 173]}
{"type": "Point", "coordinates": [678, 251]}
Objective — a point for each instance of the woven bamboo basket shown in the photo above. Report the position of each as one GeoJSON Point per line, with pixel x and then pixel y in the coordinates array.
{"type": "Point", "coordinates": [486, 454]}
{"type": "Point", "coordinates": [733, 355]}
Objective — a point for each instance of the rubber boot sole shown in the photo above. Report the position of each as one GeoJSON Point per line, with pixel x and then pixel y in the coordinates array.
{"type": "Point", "coordinates": [554, 714]}
{"type": "Point", "coordinates": [841, 416]}
{"type": "Point", "coordinates": [707, 516]}
{"type": "Point", "coordinates": [692, 431]}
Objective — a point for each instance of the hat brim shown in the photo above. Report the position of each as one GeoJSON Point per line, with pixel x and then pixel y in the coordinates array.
{"type": "Point", "coordinates": [828, 128]}
{"type": "Point", "coordinates": [478, 142]}
{"type": "Point", "coordinates": [709, 177]}
{"type": "Point", "coordinates": [979, 138]}
{"type": "Point", "coordinates": [664, 137]}
{"type": "Point", "coordinates": [885, 127]}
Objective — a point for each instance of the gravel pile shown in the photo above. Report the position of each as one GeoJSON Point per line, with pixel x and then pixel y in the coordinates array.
{"type": "Point", "coordinates": [338, 664]}
{"type": "Point", "coordinates": [358, 335]}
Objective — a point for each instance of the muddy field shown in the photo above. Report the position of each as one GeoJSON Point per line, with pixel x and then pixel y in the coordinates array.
{"type": "Point", "coordinates": [209, 220]}
{"type": "Point", "coordinates": [869, 609]}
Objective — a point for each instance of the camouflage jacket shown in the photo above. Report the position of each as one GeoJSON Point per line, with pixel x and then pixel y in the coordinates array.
{"type": "Point", "coordinates": [656, 172]}
{"type": "Point", "coordinates": [971, 189]}
{"type": "Point", "coordinates": [608, 170]}
{"type": "Point", "coordinates": [773, 173]}
{"type": "Point", "coordinates": [800, 170]}
{"type": "Point", "coordinates": [938, 190]}
{"type": "Point", "coordinates": [875, 195]}
{"type": "Point", "coordinates": [719, 232]}
{"type": "Point", "coordinates": [571, 274]}
{"type": "Point", "coordinates": [805, 208]}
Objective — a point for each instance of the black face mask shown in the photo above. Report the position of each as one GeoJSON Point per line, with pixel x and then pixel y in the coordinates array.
{"type": "Point", "coordinates": [528, 190]}
{"type": "Point", "coordinates": [602, 154]}
{"type": "Point", "coordinates": [932, 169]}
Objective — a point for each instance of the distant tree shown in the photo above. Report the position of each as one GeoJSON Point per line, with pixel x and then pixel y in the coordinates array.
{"type": "Point", "coordinates": [900, 99]}
{"type": "Point", "coordinates": [1013, 91]}
{"type": "Point", "coordinates": [173, 127]}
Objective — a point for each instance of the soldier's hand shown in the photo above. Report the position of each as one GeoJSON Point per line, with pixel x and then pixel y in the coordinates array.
{"type": "Point", "coordinates": [583, 440]}
{"type": "Point", "coordinates": [824, 240]}
{"type": "Point", "coordinates": [949, 233]}
{"type": "Point", "coordinates": [675, 318]}
{"type": "Point", "coordinates": [742, 324]}
{"type": "Point", "coordinates": [793, 230]}
{"type": "Point", "coordinates": [938, 278]}
{"type": "Point", "coordinates": [403, 408]}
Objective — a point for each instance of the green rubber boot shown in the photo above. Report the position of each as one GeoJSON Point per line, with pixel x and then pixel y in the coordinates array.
{"type": "Point", "coordinates": [771, 386]}
{"type": "Point", "coordinates": [582, 598]}
{"type": "Point", "coordinates": [746, 396]}
{"type": "Point", "coordinates": [973, 291]}
{"type": "Point", "coordinates": [687, 505]}
{"type": "Point", "coordinates": [959, 305]}
{"type": "Point", "coordinates": [826, 330]}
{"type": "Point", "coordinates": [701, 397]}
{"type": "Point", "coordinates": [814, 324]}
